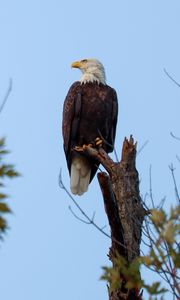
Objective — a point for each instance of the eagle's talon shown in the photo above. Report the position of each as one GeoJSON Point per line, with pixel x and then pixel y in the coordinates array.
{"type": "Point", "coordinates": [87, 146]}
{"type": "Point", "coordinates": [82, 148]}
{"type": "Point", "coordinates": [78, 149]}
{"type": "Point", "coordinates": [98, 142]}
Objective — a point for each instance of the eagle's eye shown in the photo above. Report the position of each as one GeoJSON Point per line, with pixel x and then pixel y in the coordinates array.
{"type": "Point", "coordinates": [84, 60]}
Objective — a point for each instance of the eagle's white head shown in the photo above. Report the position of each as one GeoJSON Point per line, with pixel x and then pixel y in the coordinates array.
{"type": "Point", "coordinates": [92, 70]}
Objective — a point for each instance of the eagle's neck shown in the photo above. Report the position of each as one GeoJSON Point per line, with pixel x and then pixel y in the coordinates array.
{"type": "Point", "coordinates": [94, 75]}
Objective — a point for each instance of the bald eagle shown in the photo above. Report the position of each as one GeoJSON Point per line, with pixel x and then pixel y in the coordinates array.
{"type": "Point", "coordinates": [90, 111]}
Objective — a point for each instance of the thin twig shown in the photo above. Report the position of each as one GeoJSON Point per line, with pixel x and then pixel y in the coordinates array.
{"type": "Point", "coordinates": [161, 204]}
{"type": "Point", "coordinates": [168, 280]}
{"type": "Point", "coordinates": [78, 218]}
{"type": "Point", "coordinates": [177, 83]}
{"type": "Point", "coordinates": [178, 158]}
{"type": "Point", "coordinates": [143, 241]}
{"type": "Point", "coordinates": [150, 234]}
{"type": "Point", "coordinates": [6, 95]}
{"type": "Point", "coordinates": [103, 227]}
{"type": "Point", "coordinates": [175, 137]}
{"type": "Point", "coordinates": [174, 180]}
{"type": "Point", "coordinates": [170, 284]}
{"type": "Point", "coordinates": [158, 207]}
{"type": "Point", "coordinates": [110, 145]}
{"type": "Point", "coordinates": [167, 272]}
{"type": "Point", "coordinates": [162, 273]}
{"type": "Point", "coordinates": [144, 203]}
{"type": "Point", "coordinates": [168, 256]}
{"type": "Point", "coordinates": [90, 221]}
{"type": "Point", "coordinates": [150, 188]}
{"type": "Point", "coordinates": [142, 147]}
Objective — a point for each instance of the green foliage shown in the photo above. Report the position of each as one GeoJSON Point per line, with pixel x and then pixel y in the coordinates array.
{"type": "Point", "coordinates": [6, 171]}
{"type": "Point", "coordinates": [163, 257]}
{"type": "Point", "coordinates": [154, 288]}
{"type": "Point", "coordinates": [130, 273]}
{"type": "Point", "coordinates": [122, 271]}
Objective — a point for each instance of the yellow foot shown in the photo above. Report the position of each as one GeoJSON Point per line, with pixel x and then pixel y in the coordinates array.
{"type": "Point", "coordinates": [81, 149]}
{"type": "Point", "coordinates": [87, 146]}
{"type": "Point", "coordinates": [98, 142]}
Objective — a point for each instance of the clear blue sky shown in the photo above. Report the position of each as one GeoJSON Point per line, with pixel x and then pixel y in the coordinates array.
{"type": "Point", "coordinates": [48, 254]}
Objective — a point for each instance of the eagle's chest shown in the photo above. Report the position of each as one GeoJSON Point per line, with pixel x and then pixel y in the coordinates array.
{"type": "Point", "coordinates": [94, 107]}
{"type": "Point", "coordinates": [94, 120]}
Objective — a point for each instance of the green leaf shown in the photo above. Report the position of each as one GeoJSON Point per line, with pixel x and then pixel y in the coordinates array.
{"type": "Point", "coordinates": [2, 152]}
{"type": "Point", "coordinates": [4, 208]}
{"type": "Point", "coordinates": [3, 224]}
{"type": "Point", "coordinates": [123, 270]}
{"type": "Point", "coordinates": [155, 289]}
{"type": "Point", "coordinates": [175, 213]}
{"type": "Point", "coordinates": [2, 142]}
{"type": "Point", "coordinates": [169, 232]}
{"type": "Point", "coordinates": [8, 170]}
{"type": "Point", "coordinates": [146, 260]}
{"type": "Point", "coordinates": [176, 260]}
{"type": "Point", "coordinates": [2, 196]}
{"type": "Point", "coordinates": [112, 276]}
{"type": "Point", "coordinates": [158, 217]}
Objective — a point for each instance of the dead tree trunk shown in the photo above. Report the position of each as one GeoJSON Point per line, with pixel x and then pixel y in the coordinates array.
{"type": "Point", "coordinates": [123, 207]}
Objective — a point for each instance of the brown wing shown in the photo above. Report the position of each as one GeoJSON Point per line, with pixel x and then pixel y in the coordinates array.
{"type": "Point", "coordinates": [110, 132]}
{"type": "Point", "coordinates": [71, 114]}
{"type": "Point", "coordinates": [114, 114]}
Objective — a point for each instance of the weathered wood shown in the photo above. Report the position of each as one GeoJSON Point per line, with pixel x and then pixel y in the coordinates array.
{"type": "Point", "coordinates": [123, 207]}
{"type": "Point", "coordinates": [112, 212]}
{"type": "Point", "coordinates": [125, 185]}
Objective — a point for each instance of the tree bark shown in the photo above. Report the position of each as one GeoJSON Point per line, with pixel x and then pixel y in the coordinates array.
{"type": "Point", "coordinates": [123, 207]}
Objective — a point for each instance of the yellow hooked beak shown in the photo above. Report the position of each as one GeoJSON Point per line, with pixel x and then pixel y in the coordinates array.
{"type": "Point", "coordinates": [76, 64]}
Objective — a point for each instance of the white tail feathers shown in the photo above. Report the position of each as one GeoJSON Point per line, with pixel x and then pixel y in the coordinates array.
{"type": "Point", "coordinates": [80, 175]}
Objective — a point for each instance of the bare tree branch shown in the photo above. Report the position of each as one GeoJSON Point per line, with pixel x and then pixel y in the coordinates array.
{"type": "Point", "coordinates": [161, 204]}
{"type": "Point", "coordinates": [174, 180]}
{"type": "Point", "coordinates": [89, 220]}
{"type": "Point", "coordinates": [142, 147]}
{"type": "Point", "coordinates": [150, 187]}
{"type": "Point", "coordinates": [171, 78]}
{"type": "Point", "coordinates": [178, 158]}
{"type": "Point", "coordinates": [6, 95]}
{"type": "Point", "coordinates": [78, 218]}
{"type": "Point", "coordinates": [175, 137]}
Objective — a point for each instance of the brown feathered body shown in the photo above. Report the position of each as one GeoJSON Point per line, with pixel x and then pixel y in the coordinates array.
{"type": "Point", "coordinates": [90, 111]}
